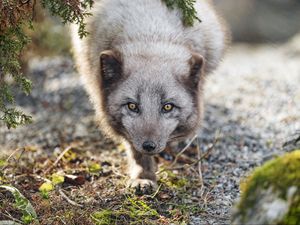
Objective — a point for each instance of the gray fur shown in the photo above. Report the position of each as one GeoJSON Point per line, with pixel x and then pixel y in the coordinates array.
{"type": "Point", "coordinates": [139, 51]}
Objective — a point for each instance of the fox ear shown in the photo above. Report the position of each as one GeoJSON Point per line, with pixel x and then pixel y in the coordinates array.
{"type": "Point", "coordinates": [196, 69]}
{"type": "Point", "coordinates": [110, 66]}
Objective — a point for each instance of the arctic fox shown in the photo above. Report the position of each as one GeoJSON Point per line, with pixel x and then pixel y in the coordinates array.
{"type": "Point", "coordinates": [144, 71]}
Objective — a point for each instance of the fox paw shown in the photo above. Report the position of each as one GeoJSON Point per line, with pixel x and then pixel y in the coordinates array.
{"type": "Point", "coordinates": [143, 186]}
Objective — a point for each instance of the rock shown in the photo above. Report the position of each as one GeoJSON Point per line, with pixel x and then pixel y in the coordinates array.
{"type": "Point", "coordinates": [258, 21]}
{"type": "Point", "coordinates": [271, 194]}
{"type": "Point", "coordinates": [292, 48]}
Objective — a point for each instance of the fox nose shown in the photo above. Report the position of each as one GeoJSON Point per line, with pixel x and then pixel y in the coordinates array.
{"type": "Point", "coordinates": [149, 146]}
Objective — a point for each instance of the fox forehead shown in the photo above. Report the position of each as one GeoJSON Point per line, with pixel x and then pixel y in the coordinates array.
{"type": "Point", "coordinates": [153, 64]}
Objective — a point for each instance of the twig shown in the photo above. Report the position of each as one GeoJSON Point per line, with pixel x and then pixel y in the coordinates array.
{"type": "Point", "coordinates": [207, 153]}
{"type": "Point", "coordinates": [206, 195]}
{"type": "Point", "coordinates": [33, 10]}
{"type": "Point", "coordinates": [210, 149]}
{"type": "Point", "coordinates": [199, 153]}
{"type": "Point", "coordinates": [156, 192]}
{"type": "Point", "coordinates": [33, 176]}
{"type": "Point", "coordinates": [116, 171]}
{"type": "Point", "coordinates": [183, 150]}
{"type": "Point", "coordinates": [12, 154]}
{"type": "Point", "coordinates": [294, 140]}
{"type": "Point", "coordinates": [22, 151]}
{"type": "Point", "coordinates": [24, 2]}
{"type": "Point", "coordinates": [68, 199]}
{"type": "Point", "coordinates": [58, 159]}
{"type": "Point", "coordinates": [61, 155]}
{"type": "Point", "coordinates": [6, 214]}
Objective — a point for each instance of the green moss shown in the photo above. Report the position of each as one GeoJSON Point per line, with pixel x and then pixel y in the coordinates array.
{"type": "Point", "coordinates": [293, 216]}
{"type": "Point", "coordinates": [103, 217]}
{"type": "Point", "coordinates": [278, 174]}
{"type": "Point", "coordinates": [134, 209]}
{"type": "Point", "coordinates": [3, 162]}
{"type": "Point", "coordinates": [68, 215]}
{"type": "Point", "coordinates": [172, 180]}
{"type": "Point", "coordinates": [94, 167]}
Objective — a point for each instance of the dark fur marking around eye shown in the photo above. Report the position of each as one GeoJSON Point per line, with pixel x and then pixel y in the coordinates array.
{"type": "Point", "coordinates": [118, 128]}
{"type": "Point", "coordinates": [180, 129]}
{"type": "Point", "coordinates": [162, 94]}
{"type": "Point", "coordinates": [138, 95]}
{"type": "Point", "coordinates": [116, 123]}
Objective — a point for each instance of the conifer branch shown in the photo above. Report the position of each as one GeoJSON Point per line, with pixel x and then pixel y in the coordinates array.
{"type": "Point", "coordinates": [15, 15]}
{"type": "Point", "coordinates": [187, 9]}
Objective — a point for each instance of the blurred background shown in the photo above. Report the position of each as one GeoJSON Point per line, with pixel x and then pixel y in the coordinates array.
{"type": "Point", "coordinates": [261, 20]}
{"type": "Point", "coordinates": [251, 21]}
{"type": "Point", "coordinates": [254, 21]}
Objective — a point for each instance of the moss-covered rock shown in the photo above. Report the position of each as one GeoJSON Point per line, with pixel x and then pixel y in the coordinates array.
{"type": "Point", "coordinates": [271, 194]}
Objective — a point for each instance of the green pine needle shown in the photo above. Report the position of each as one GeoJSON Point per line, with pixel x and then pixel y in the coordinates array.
{"type": "Point", "coordinates": [188, 11]}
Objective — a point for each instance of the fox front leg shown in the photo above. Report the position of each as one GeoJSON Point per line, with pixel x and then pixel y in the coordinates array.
{"type": "Point", "coordinates": [141, 170]}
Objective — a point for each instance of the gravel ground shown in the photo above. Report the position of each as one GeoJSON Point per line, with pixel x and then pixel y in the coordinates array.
{"type": "Point", "coordinates": [251, 102]}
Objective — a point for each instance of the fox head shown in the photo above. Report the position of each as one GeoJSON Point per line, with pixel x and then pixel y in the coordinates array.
{"type": "Point", "coordinates": [151, 101]}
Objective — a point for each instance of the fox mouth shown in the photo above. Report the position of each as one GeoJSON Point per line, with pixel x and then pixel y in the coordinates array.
{"type": "Point", "coordinates": [154, 152]}
{"type": "Point", "coordinates": [150, 153]}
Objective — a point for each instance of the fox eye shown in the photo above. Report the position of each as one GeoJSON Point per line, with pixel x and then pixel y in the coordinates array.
{"type": "Point", "coordinates": [168, 108]}
{"type": "Point", "coordinates": [133, 107]}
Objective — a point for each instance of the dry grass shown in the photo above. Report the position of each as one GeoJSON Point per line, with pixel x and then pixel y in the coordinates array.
{"type": "Point", "coordinates": [82, 187]}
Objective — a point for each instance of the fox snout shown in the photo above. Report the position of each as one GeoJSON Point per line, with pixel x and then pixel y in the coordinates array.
{"type": "Point", "coordinates": [149, 146]}
{"type": "Point", "coordinates": [147, 139]}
